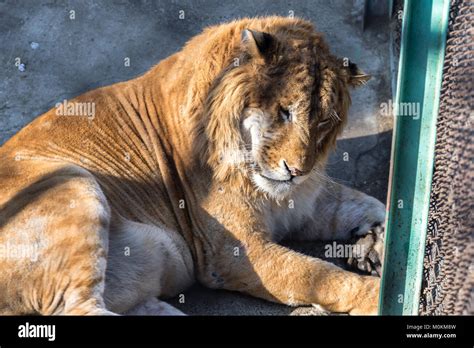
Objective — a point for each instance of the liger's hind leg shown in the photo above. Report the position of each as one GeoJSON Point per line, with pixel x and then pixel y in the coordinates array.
{"type": "Point", "coordinates": [61, 217]}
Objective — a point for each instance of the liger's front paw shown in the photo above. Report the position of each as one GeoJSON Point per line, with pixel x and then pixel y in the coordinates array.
{"type": "Point", "coordinates": [367, 236]}
{"type": "Point", "coordinates": [367, 251]}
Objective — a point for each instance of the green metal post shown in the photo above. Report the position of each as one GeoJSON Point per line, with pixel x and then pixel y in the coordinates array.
{"type": "Point", "coordinates": [415, 110]}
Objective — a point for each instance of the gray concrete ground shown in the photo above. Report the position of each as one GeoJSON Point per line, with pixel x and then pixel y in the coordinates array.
{"type": "Point", "coordinates": [48, 54]}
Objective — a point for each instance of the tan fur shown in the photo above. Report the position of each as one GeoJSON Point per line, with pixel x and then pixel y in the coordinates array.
{"type": "Point", "coordinates": [164, 184]}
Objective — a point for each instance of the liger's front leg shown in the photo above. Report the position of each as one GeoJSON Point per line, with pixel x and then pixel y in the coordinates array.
{"type": "Point", "coordinates": [272, 272]}
{"type": "Point", "coordinates": [247, 261]}
{"type": "Point", "coordinates": [342, 214]}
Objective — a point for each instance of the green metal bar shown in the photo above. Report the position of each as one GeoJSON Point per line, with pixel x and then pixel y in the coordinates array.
{"type": "Point", "coordinates": [416, 108]}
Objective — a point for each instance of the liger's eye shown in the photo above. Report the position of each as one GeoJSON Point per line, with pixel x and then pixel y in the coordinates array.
{"type": "Point", "coordinates": [285, 114]}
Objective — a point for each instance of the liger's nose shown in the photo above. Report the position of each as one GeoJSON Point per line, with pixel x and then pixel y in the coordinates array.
{"type": "Point", "coordinates": [293, 170]}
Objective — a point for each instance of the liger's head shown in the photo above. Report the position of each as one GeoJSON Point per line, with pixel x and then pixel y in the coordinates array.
{"type": "Point", "coordinates": [279, 106]}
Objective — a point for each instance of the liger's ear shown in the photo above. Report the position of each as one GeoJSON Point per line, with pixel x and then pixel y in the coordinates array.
{"type": "Point", "coordinates": [257, 44]}
{"type": "Point", "coordinates": [356, 76]}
